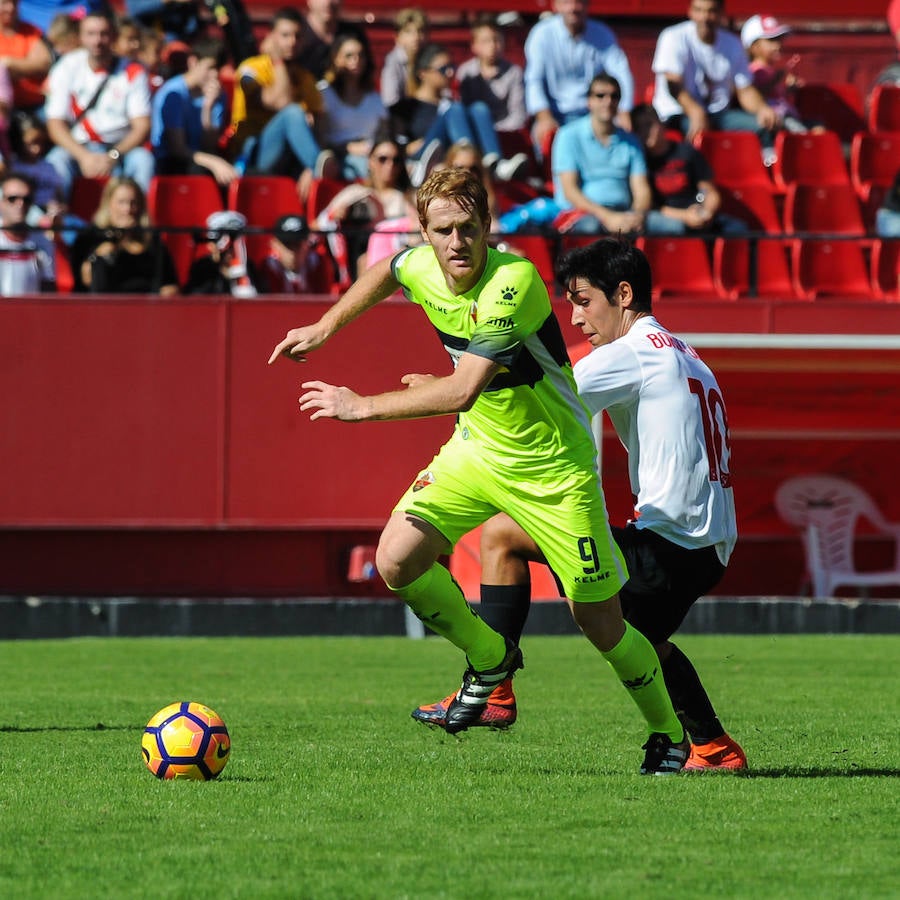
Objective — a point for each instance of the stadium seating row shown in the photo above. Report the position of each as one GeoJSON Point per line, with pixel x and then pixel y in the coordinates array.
{"type": "Point", "coordinates": [735, 268]}
{"type": "Point", "coordinates": [785, 266]}
{"type": "Point", "coordinates": [815, 159]}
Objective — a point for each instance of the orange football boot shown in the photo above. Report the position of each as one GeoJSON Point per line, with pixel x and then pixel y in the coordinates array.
{"type": "Point", "coordinates": [724, 753]}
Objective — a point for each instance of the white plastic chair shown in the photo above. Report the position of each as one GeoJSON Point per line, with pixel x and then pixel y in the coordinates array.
{"type": "Point", "coordinates": [827, 508]}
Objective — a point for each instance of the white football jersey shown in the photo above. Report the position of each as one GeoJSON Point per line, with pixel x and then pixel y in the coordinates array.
{"type": "Point", "coordinates": [668, 411]}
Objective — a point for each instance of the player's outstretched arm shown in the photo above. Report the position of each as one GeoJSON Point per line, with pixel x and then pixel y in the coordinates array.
{"type": "Point", "coordinates": [425, 395]}
{"type": "Point", "coordinates": [373, 286]}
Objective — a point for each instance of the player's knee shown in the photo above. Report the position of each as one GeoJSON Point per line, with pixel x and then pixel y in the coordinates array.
{"type": "Point", "coordinates": [397, 568]}
{"type": "Point", "coordinates": [502, 538]}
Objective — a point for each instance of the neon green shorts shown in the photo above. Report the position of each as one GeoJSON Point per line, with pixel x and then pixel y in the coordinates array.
{"type": "Point", "coordinates": [563, 511]}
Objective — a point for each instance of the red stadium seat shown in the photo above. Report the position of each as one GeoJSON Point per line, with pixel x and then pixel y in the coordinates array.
{"type": "Point", "coordinates": [809, 159]}
{"type": "Point", "coordinates": [182, 202]}
{"type": "Point", "coordinates": [321, 192]}
{"type": "Point", "coordinates": [753, 204]}
{"type": "Point", "coordinates": [824, 267]}
{"type": "Point", "coordinates": [829, 209]}
{"type": "Point", "coordinates": [732, 268]}
{"type": "Point", "coordinates": [85, 196]}
{"type": "Point", "coordinates": [679, 266]}
{"type": "Point", "coordinates": [836, 105]}
{"type": "Point", "coordinates": [884, 108]}
{"type": "Point", "coordinates": [735, 158]}
{"type": "Point", "coordinates": [65, 278]}
{"type": "Point", "coordinates": [886, 268]}
{"type": "Point", "coordinates": [540, 250]}
{"type": "Point", "coordinates": [874, 159]}
{"type": "Point", "coordinates": [263, 199]}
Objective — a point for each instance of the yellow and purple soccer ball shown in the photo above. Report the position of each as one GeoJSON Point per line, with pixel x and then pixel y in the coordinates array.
{"type": "Point", "coordinates": [186, 740]}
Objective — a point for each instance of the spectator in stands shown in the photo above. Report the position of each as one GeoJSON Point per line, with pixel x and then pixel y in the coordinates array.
{"type": "Point", "coordinates": [465, 155]}
{"type": "Point", "coordinates": [62, 36]}
{"type": "Point", "coordinates": [384, 196]}
{"type": "Point", "coordinates": [489, 78]}
{"type": "Point", "coordinates": [887, 217]}
{"type": "Point", "coordinates": [178, 20]}
{"type": "Point", "coordinates": [430, 120]}
{"type": "Point", "coordinates": [275, 106]}
{"type": "Point", "coordinates": [297, 262]}
{"type": "Point", "coordinates": [323, 25]}
{"type": "Point", "coordinates": [6, 106]}
{"type": "Point", "coordinates": [31, 144]}
{"type": "Point", "coordinates": [411, 28]}
{"type": "Point", "coordinates": [98, 110]}
{"type": "Point", "coordinates": [700, 69]}
{"type": "Point", "coordinates": [119, 254]}
{"type": "Point", "coordinates": [25, 57]}
{"type": "Point", "coordinates": [25, 268]}
{"type": "Point", "coordinates": [128, 39]}
{"type": "Point", "coordinates": [189, 118]}
{"type": "Point", "coordinates": [761, 37]}
{"type": "Point", "coordinates": [353, 112]}
{"type": "Point", "coordinates": [224, 268]}
{"type": "Point", "coordinates": [685, 197]}
{"type": "Point", "coordinates": [599, 172]}
{"type": "Point", "coordinates": [563, 52]}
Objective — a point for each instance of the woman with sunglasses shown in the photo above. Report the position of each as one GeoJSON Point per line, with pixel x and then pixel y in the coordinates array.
{"type": "Point", "coordinates": [430, 120]}
{"type": "Point", "coordinates": [382, 197]}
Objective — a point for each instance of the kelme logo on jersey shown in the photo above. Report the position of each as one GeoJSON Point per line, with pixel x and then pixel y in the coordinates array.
{"type": "Point", "coordinates": [508, 296]}
{"type": "Point", "coordinates": [423, 480]}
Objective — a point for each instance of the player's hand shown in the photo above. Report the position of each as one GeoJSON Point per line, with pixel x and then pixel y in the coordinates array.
{"type": "Point", "coordinates": [298, 343]}
{"type": "Point", "coordinates": [416, 380]}
{"type": "Point", "coordinates": [330, 402]}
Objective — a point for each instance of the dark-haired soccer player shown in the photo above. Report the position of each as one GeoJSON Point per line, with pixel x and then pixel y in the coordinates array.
{"type": "Point", "coordinates": [667, 409]}
{"type": "Point", "coordinates": [521, 445]}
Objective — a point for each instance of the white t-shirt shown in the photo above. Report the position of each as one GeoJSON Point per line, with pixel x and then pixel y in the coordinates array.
{"type": "Point", "coordinates": [72, 83]}
{"type": "Point", "coordinates": [23, 266]}
{"type": "Point", "coordinates": [667, 409]}
{"type": "Point", "coordinates": [710, 72]}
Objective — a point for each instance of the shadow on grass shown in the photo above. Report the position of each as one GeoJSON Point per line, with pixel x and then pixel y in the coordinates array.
{"type": "Point", "coordinates": [818, 772]}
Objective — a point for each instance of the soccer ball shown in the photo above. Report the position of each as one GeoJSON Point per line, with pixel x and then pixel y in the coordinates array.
{"type": "Point", "coordinates": [186, 740]}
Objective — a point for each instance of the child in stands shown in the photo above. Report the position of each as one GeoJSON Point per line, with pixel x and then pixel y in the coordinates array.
{"type": "Point", "coordinates": [761, 37]}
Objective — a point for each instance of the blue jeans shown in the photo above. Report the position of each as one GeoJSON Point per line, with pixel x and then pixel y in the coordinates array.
{"type": "Point", "coordinates": [472, 123]}
{"type": "Point", "coordinates": [659, 223]}
{"type": "Point", "coordinates": [287, 131]}
{"type": "Point", "coordinates": [137, 164]}
{"type": "Point", "coordinates": [728, 120]}
{"type": "Point", "coordinates": [887, 223]}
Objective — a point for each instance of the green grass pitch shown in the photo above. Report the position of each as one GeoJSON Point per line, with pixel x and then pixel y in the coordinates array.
{"type": "Point", "coordinates": [332, 791]}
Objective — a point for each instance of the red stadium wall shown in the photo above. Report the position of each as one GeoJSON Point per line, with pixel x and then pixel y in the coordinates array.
{"type": "Point", "coordinates": [147, 449]}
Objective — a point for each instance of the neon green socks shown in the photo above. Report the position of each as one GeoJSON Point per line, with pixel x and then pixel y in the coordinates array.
{"type": "Point", "coordinates": [637, 666]}
{"type": "Point", "coordinates": [439, 602]}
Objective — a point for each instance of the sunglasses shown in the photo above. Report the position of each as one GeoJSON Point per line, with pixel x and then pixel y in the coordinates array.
{"type": "Point", "coordinates": [447, 70]}
{"type": "Point", "coordinates": [603, 95]}
{"type": "Point", "coordinates": [27, 199]}
{"type": "Point", "coordinates": [393, 160]}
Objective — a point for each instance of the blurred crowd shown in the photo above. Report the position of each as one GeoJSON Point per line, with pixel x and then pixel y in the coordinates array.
{"type": "Point", "coordinates": [176, 88]}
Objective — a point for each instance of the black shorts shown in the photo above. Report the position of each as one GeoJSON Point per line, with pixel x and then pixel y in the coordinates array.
{"type": "Point", "coordinates": [665, 580]}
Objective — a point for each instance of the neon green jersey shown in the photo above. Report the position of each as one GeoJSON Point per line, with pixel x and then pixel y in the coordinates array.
{"type": "Point", "coordinates": [530, 413]}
